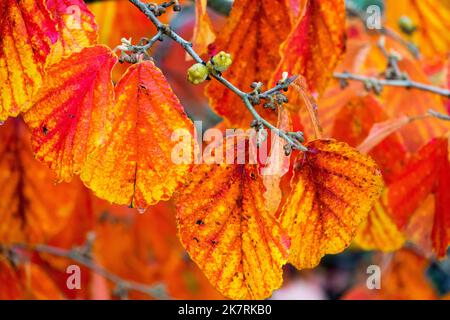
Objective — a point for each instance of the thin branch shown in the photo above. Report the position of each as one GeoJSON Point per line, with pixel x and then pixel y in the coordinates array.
{"type": "Point", "coordinates": [438, 115]}
{"type": "Point", "coordinates": [247, 98]}
{"type": "Point", "coordinates": [408, 84]}
{"type": "Point", "coordinates": [77, 255]}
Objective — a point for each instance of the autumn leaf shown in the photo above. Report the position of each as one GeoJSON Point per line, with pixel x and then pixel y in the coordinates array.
{"type": "Point", "coordinates": [71, 114]}
{"type": "Point", "coordinates": [427, 172]}
{"type": "Point", "coordinates": [76, 27]}
{"type": "Point", "coordinates": [135, 165]}
{"type": "Point", "coordinates": [333, 189]}
{"type": "Point", "coordinates": [203, 31]}
{"type": "Point", "coordinates": [430, 19]}
{"type": "Point", "coordinates": [145, 248]}
{"type": "Point", "coordinates": [226, 229]}
{"type": "Point", "coordinates": [252, 35]}
{"type": "Point", "coordinates": [417, 179]}
{"type": "Point", "coordinates": [117, 19]}
{"type": "Point", "coordinates": [27, 281]}
{"type": "Point", "coordinates": [354, 124]}
{"type": "Point", "coordinates": [26, 34]}
{"type": "Point", "coordinates": [403, 279]}
{"type": "Point", "coordinates": [315, 44]}
{"type": "Point", "coordinates": [27, 213]}
{"type": "Point", "coordinates": [402, 101]}
{"type": "Point", "coordinates": [9, 281]}
{"type": "Point", "coordinates": [379, 231]}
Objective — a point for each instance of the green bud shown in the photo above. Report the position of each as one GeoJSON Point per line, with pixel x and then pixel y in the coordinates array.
{"type": "Point", "coordinates": [197, 73]}
{"type": "Point", "coordinates": [407, 25]}
{"type": "Point", "coordinates": [220, 62]}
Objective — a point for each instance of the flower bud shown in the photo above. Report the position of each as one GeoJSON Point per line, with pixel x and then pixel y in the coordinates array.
{"type": "Point", "coordinates": [221, 61]}
{"type": "Point", "coordinates": [407, 25]}
{"type": "Point", "coordinates": [197, 73]}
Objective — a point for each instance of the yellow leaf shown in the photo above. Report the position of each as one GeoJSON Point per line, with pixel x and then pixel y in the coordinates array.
{"type": "Point", "coordinates": [333, 190]}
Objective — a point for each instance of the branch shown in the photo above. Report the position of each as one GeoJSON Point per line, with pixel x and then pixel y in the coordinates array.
{"type": "Point", "coordinates": [81, 257]}
{"type": "Point", "coordinates": [408, 84]}
{"type": "Point", "coordinates": [249, 99]}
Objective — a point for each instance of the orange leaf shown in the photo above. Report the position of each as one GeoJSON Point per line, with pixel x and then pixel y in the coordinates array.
{"type": "Point", "coordinates": [411, 102]}
{"type": "Point", "coordinates": [334, 187]}
{"type": "Point", "coordinates": [27, 281]}
{"type": "Point", "coordinates": [9, 281]}
{"type": "Point", "coordinates": [70, 115]}
{"type": "Point", "coordinates": [76, 26]}
{"type": "Point", "coordinates": [417, 179]}
{"type": "Point", "coordinates": [203, 30]}
{"type": "Point", "coordinates": [228, 232]}
{"type": "Point", "coordinates": [315, 44]}
{"type": "Point", "coordinates": [432, 21]}
{"type": "Point", "coordinates": [404, 279]}
{"type": "Point", "coordinates": [117, 19]}
{"type": "Point", "coordinates": [426, 173]}
{"type": "Point", "coordinates": [26, 33]}
{"type": "Point", "coordinates": [135, 165]}
{"type": "Point", "coordinates": [354, 124]}
{"type": "Point", "coordinates": [252, 36]}
{"type": "Point", "coordinates": [379, 231]}
{"type": "Point", "coordinates": [32, 207]}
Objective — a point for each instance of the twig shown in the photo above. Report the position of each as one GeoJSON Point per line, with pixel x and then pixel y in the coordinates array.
{"type": "Point", "coordinates": [408, 84]}
{"type": "Point", "coordinates": [247, 98]}
{"type": "Point", "coordinates": [77, 255]}
{"type": "Point", "coordinates": [438, 115]}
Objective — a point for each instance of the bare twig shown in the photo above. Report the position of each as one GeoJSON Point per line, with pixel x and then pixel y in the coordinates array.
{"type": "Point", "coordinates": [408, 84]}
{"type": "Point", "coordinates": [247, 98]}
{"type": "Point", "coordinates": [438, 115]}
{"type": "Point", "coordinates": [79, 256]}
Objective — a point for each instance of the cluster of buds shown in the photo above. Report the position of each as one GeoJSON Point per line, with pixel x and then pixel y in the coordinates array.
{"type": "Point", "coordinates": [373, 85]}
{"type": "Point", "coordinates": [298, 136]}
{"type": "Point", "coordinates": [260, 130]}
{"type": "Point", "coordinates": [219, 63]}
{"type": "Point", "coordinates": [134, 56]}
{"type": "Point", "coordinates": [160, 9]}
{"type": "Point", "coordinates": [392, 70]}
{"type": "Point", "coordinates": [277, 99]}
{"type": "Point", "coordinates": [272, 100]}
